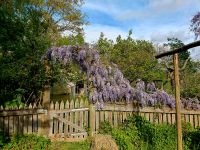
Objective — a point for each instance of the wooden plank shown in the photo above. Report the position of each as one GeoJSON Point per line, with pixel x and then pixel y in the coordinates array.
{"type": "Point", "coordinates": [56, 119]}
{"type": "Point", "coordinates": [22, 112]}
{"type": "Point", "coordinates": [21, 124]}
{"type": "Point", "coordinates": [115, 119]}
{"type": "Point", "coordinates": [97, 118]}
{"type": "Point", "coordinates": [142, 114]}
{"type": "Point", "coordinates": [168, 118]}
{"type": "Point", "coordinates": [40, 121]}
{"type": "Point", "coordinates": [66, 130]}
{"type": "Point", "coordinates": [155, 117]}
{"type": "Point", "coordinates": [102, 119]}
{"type": "Point", "coordinates": [182, 117]}
{"type": "Point", "coordinates": [6, 125]}
{"type": "Point", "coordinates": [76, 117]}
{"type": "Point", "coordinates": [151, 117]}
{"type": "Point", "coordinates": [191, 120]}
{"type": "Point", "coordinates": [16, 124]}
{"type": "Point", "coordinates": [119, 116]}
{"type": "Point", "coordinates": [160, 118]}
{"type": "Point", "coordinates": [196, 123]}
{"type": "Point", "coordinates": [1, 124]}
{"type": "Point", "coordinates": [51, 124]}
{"type": "Point", "coordinates": [179, 50]}
{"type": "Point", "coordinates": [124, 116]}
{"type": "Point", "coordinates": [110, 117]}
{"type": "Point", "coordinates": [81, 121]}
{"type": "Point", "coordinates": [106, 115]}
{"type": "Point", "coordinates": [122, 107]}
{"type": "Point", "coordinates": [30, 125]}
{"type": "Point", "coordinates": [57, 106]}
{"type": "Point", "coordinates": [56, 123]}
{"type": "Point", "coordinates": [173, 118]}
{"type": "Point", "coordinates": [35, 125]}
{"type": "Point", "coordinates": [86, 120]}
{"type": "Point", "coordinates": [11, 125]}
{"type": "Point", "coordinates": [71, 128]}
{"type": "Point", "coordinates": [62, 117]}
{"type": "Point", "coordinates": [147, 116]}
{"type": "Point", "coordinates": [187, 118]}
{"type": "Point", "coordinates": [164, 118]}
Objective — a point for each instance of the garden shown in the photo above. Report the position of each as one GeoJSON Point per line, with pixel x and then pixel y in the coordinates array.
{"type": "Point", "coordinates": [43, 49]}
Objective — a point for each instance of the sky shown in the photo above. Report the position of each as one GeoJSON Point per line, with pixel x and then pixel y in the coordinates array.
{"type": "Point", "coordinates": [153, 20]}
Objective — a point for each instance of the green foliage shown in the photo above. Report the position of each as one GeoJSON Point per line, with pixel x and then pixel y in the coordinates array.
{"type": "Point", "coordinates": [105, 128]}
{"type": "Point", "coordinates": [70, 73]}
{"type": "Point", "coordinates": [191, 136]}
{"type": "Point", "coordinates": [83, 145]}
{"type": "Point", "coordinates": [35, 142]}
{"type": "Point", "coordinates": [18, 99]}
{"type": "Point", "coordinates": [77, 39]}
{"type": "Point", "coordinates": [164, 137]}
{"type": "Point", "coordinates": [145, 128]}
{"type": "Point", "coordinates": [27, 142]}
{"type": "Point", "coordinates": [189, 79]}
{"type": "Point", "coordinates": [134, 57]}
{"type": "Point", "coordinates": [27, 29]}
{"type": "Point", "coordinates": [3, 139]}
{"type": "Point", "coordinates": [138, 133]}
{"type": "Point", "coordinates": [126, 138]}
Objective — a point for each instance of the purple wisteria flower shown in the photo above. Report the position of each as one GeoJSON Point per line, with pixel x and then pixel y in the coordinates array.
{"type": "Point", "coordinates": [107, 83]}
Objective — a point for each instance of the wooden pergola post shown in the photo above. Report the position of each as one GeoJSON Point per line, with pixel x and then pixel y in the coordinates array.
{"type": "Point", "coordinates": [177, 96]}
{"type": "Point", "coordinates": [177, 86]}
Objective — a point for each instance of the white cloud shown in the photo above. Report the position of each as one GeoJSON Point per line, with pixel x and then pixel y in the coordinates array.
{"type": "Point", "coordinates": [162, 36]}
{"type": "Point", "coordinates": [108, 7]}
{"type": "Point", "coordinates": [157, 7]}
{"type": "Point", "coordinates": [195, 53]}
{"type": "Point", "coordinates": [93, 31]}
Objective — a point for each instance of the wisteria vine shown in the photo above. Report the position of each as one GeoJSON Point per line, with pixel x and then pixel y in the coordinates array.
{"type": "Point", "coordinates": [107, 84]}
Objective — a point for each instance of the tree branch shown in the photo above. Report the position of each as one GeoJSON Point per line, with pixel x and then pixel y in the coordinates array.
{"type": "Point", "coordinates": [184, 65]}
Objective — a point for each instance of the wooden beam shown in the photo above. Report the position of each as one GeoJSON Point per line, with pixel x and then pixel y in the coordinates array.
{"type": "Point", "coordinates": [178, 50]}
{"type": "Point", "coordinates": [22, 112]}
{"type": "Point", "coordinates": [177, 95]}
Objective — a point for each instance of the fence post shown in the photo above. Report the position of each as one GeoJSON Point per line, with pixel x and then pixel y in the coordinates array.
{"type": "Point", "coordinates": [91, 119]}
{"type": "Point", "coordinates": [43, 127]}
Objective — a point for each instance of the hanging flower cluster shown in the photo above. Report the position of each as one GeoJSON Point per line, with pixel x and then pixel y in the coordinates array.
{"type": "Point", "coordinates": [155, 97]}
{"type": "Point", "coordinates": [107, 83]}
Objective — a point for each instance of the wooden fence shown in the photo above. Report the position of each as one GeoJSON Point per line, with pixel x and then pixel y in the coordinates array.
{"type": "Point", "coordinates": [72, 119]}
{"type": "Point", "coordinates": [21, 120]}
{"type": "Point", "coordinates": [117, 113]}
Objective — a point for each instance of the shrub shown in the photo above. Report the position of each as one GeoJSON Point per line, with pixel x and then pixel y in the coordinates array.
{"type": "Point", "coordinates": [144, 127]}
{"type": "Point", "coordinates": [27, 142]}
{"type": "Point", "coordinates": [164, 137]}
{"type": "Point", "coordinates": [126, 138]}
{"type": "Point", "coordinates": [3, 139]}
{"type": "Point", "coordinates": [195, 139]}
{"type": "Point", "coordinates": [105, 128]}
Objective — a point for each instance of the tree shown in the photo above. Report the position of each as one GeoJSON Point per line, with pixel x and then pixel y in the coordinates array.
{"type": "Point", "coordinates": [188, 69]}
{"type": "Point", "coordinates": [71, 39]}
{"type": "Point", "coordinates": [27, 29]}
{"type": "Point", "coordinates": [134, 57]}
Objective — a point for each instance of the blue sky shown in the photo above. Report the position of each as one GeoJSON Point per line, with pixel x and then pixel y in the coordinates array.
{"type": "Point", "coordinates": [152, 20]}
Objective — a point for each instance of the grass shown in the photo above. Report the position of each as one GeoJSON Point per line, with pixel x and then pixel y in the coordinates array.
{"type": "Point", "coordinates": [83, 145]}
